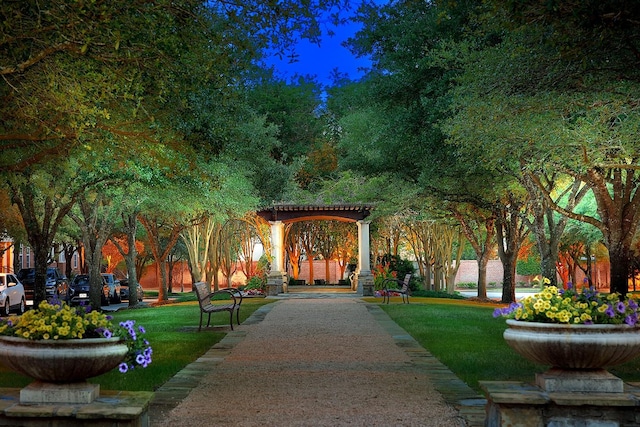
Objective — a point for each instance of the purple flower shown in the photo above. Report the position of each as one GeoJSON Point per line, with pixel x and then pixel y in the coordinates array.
{"type": "Point", "coordinates": [609, 311]}
{"type": "Point", "coordinates": [569, 285]}
{"type": "Point", "coordinates": [140, 359]}
{"type": "Point", "coordinates": [633, 305]}
{"type": "Point", "coordinates": [107, 333]}
{"type": "Point", "coordinates": [141, 329]}
{"type": "Point", "coordinates": [86, 307]}
{"type": "Point", "coordinates": [123, 367]}
{"type": "Point", "coordinates": [621, 307]}
{"type": "Point", "coordinates": [631, 319]}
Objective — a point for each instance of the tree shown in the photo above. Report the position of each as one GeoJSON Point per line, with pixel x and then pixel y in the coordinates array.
{"type": "Point", "coordinates": [292, 245]}
{"type": "Point", "coordinates": [563, 104]}
{"type": "Point", "coordinates": [163, 233]}
{"type": "Point", "coordinates": [43, 207]}
{"type": "Point", "coordinates": [248, 238]}
{"type": "Point", "coordinates": [228, 249]}
{"type": "Point", "coordinates": [89, 63]}
{"type": "Point", "coordinates": [449, 244]}
{"type": "Point", "coordinates": [511, 231]}
{"type": "Point", "coordinates": [112, 254]}
{"type": "Point", "coordinates": [420, 238]}
{"type": "Point", "coordinates": [346, 245]}
{"type": "Point", "coordinates": [479, 227]}
{"type": "Point", "coordinates": [123, 78]}
{"type": "Point", "coordinates": [546, 224]}
{"type": "Point", "coordinates": [327, 244]}
{"type": "Point", "coordinates": [308, 238]}
{"type": "Point", "coordinates": [95, 218]}
{"type": "Point", "coordinates": [129, 248]}
{"type": "Point", "coordinates": [197, 238]}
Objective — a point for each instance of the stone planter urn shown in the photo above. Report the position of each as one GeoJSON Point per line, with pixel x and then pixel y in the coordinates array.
{"type": "Point", "coordinates": [577, 354]}
{"type": "Point", "coordinates": [61, 367]}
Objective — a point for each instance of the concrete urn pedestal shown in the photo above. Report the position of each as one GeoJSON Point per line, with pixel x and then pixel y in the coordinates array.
{"type": "Point", "coordinates": [61, 394]}
{"type": "Point", "coordinates": [576, 390]}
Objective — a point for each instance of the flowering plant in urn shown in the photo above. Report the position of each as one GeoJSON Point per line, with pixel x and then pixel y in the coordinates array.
{"type": "Point", "coordinates": [570, 306]}
{"type": "Point", "coordinates": [59, 321]}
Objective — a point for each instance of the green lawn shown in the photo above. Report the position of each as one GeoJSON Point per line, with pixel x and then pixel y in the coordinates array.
{"type": "Point", "coordinates": [173, 346]}
{"type": "Point", "coordinates": [465, 337]}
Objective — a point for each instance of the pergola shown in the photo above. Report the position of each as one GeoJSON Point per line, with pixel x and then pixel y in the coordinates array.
{"type": "Point", "coordinates": [280, 214]}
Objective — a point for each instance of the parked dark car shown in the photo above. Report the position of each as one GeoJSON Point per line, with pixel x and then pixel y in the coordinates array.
{"type": "Point", "coordinates": [57, 284]}
{"type": "Point", "coordinates": [114, 287]}
{"type": "Point", "coordinates": [124, 290]}
{"type": "Point", "coordinates": [79, 290]}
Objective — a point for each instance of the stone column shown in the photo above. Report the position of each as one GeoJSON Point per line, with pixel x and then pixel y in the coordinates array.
{"type": "Point", "coordinates": [364, 278]}
{"type": "Point", "coordinates": [276, 277]}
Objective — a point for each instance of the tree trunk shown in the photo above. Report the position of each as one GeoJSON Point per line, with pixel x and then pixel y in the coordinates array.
{"type": "Point", "coordinates": [619, 270]}
{"type": "Point", "coordinates": [482, 276]}
{"type": "Point", "coordinates": [131, 226]}
{"type": "Point", "coordinates": [40, 250]}
{"type": "Point", "coordinates": [508, 281]}
{"type": "Point", "coordinates": [510, 233]}
{"type": "Point", "coordinates": [162, 288]}
{"type": "Point", "coordinates": [311, 270]}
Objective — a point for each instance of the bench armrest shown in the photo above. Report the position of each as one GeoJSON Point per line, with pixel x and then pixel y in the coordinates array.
{"type": "Point", "coordinates": [226, 291]}
{"type": "Point", "coordinates": [236, 293]}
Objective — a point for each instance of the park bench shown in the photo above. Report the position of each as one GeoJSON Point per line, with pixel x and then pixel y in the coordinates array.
{"type": "Point", "coordinates": [391, 285]}
{"type": "Point", "coordinates": [205, 295]}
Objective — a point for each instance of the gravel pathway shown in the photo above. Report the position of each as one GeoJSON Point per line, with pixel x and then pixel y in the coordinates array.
{"type": "Point", "coordinates": [315, 362]}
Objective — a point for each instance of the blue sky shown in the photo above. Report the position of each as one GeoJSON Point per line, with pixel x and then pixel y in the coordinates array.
{"type": "Point", "coordinates": [321, 60]}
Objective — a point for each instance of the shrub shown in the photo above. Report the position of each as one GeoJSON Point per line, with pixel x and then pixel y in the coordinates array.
{"type": "Point", "coordinates": [255, 282]}
{"type": "Point", "coordinates": [392, 266]}
{"type": "Point", "coordinates": [467, 285]}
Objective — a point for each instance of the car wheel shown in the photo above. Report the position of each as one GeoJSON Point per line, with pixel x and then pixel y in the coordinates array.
{"type": "Point", "coordinates": [23, 306]}
{"type": "Point", "coordinates": [7, 307]}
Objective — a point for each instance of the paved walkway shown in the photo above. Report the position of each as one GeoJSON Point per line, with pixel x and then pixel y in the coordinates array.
{"type": "Point", "coordinates": [321, 360]}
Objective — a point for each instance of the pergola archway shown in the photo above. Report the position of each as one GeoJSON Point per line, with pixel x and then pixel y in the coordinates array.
{"type": "Point", "coordinates": [280, 214]}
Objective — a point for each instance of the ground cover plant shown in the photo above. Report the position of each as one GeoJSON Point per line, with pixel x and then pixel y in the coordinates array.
{"type": "Point", "coordinates": [466, 337]}
{"type": "Point", "coordinates": [175, 342]}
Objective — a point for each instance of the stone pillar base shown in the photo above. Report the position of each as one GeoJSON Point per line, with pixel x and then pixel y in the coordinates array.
{"type": "Point", "coordinates": [275, 282]}
{"type": "Point", "coordinates": [364, 282]}
{"type": "Point", "coordinates": [41, 392]}
{"type": "Point", "coordinates": [596, 381]}
{"type": "Point", "coordinates": [511, 403]}
{"type": "Point", "coordinates": [110, 408]}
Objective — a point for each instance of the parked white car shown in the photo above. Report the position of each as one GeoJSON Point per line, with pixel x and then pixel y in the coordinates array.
{"type": "Point", "coordinates": [11, 294]}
